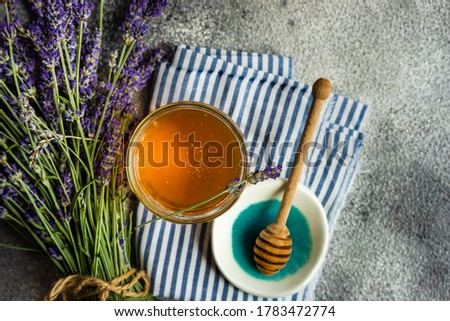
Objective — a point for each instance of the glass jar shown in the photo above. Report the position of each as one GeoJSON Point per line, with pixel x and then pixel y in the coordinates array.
{"type": "Point", "coordinates": [182, 154]}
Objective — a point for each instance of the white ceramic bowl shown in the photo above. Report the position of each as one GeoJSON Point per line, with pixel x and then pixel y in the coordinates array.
{"type": "Point", "coordinates": [221, 241]}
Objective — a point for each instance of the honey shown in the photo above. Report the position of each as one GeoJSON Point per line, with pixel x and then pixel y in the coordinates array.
{"type": "Point", "coordinates": [185, 155]}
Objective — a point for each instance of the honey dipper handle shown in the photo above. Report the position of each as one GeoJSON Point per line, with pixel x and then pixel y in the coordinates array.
{"type": "Point", "coordinates": [320, 92]}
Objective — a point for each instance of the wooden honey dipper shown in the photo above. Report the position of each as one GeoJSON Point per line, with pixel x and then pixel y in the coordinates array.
{"type": "Point", "coordinates": [273, 246]}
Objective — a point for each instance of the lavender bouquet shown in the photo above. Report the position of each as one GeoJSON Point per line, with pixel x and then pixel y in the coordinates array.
{"type": "Point", "coordinates": [62, 127]}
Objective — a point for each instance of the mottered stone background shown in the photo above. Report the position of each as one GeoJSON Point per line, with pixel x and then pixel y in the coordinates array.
{"type": "Point", "coordinates": [392, 240]}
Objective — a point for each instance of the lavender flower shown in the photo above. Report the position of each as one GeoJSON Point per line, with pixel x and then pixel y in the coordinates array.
{"type": "Point", "coordinates": [52, 224]}
{"type": "Point", "coordinates": [110, 151]}
{"type": "Point", "coordinates": [84, 10]}
{"type": "Point", "coordinates": [104, 177]}
{"type": "Point", "coordinates": [54, 22]}
{"type": "Point", "coordinates": [27, 113]}
{"type": "Point", "coordinates": [54, 253]}
{"type": "Point", "coordinates": [71, 8]}
{"type": "Point", "coordinates": [24, 58]}
{"type": "Point", "coordinates": [137, 70]}
{"type": "Point", "coordinates": [2, 140]}
{"type": "Point", "coordinates": [235, 186]}
{"type": "Point", "coordinates": [136, 25]}
{"type": "Point", "coordinates": [44, 236]}
{"type": "Point", "coordinates": [37, 7]}
{"type": "Point", "coordinates": [3, 182]}
{"type": "Point", "coordinates": [46, 97]}
{"type": "Point", "coordinates": [120, 180]}
{"type": "Point", "coordinates": [122, 247]}
{"type": "Point", "coordinates": [92, 112]}
{"type": "Point", "coordinates": [269, 172]}
{"type": "Point", "coordinates": [65, 190]}
{"type": "Point", "coordinates": [38, 199]}
{"type": "Point", "coordinates": [50, 55]}
{"type": "Point", "coordinates": [9, 32]}
{"type": "Point", "coordinates": [92, 52]}
{"type": "Point", "coordinates": [7, 192]}
{"type": "Point", "coordinates": [16, 177]}
{"type": "Point", "coordinates": [135, 75]}
{"type": "Point", "coordinates": [3, 158]}
{"type": "Point", "coordinates": [156, 9]}
{"type": "Point", "coordinates": [112, 62]}
{"type": "Point", "coordinates": [32, 219]}
{"type": "Point", "coordinates": [72, 115]}
{"type": "Point", "coordinates": [34, 155]}
{"type": "Point", "coordinates": [56, 19]}
{"type": "Point", "coordinates": [34, 34]}
{"type": "Point", "coordinates": [3, 212]}
{"type": "Point", "coordinates": [4, 64]}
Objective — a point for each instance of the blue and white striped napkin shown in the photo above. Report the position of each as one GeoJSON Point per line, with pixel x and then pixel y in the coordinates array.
{"type": "Point", "coordinates": [270, 108]}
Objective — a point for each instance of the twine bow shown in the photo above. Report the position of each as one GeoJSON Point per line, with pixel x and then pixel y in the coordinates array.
{"type": "Point", "coordinates": [78, 287]}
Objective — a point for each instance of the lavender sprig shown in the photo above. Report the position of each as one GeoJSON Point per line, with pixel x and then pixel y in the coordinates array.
{"type": "Point", "coordinates": [265, 174]}
{"type": "Point", "coordinates": [233, 188]}
{"type": "Point", "coordinates": [136, 24]}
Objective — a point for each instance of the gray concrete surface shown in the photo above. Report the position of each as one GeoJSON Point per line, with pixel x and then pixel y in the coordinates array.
{"type": "Point", "coordinates": [392, 240]}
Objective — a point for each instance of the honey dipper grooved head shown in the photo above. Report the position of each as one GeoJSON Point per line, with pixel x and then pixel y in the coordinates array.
{"type": "Point", "coordinates": [272, 249]}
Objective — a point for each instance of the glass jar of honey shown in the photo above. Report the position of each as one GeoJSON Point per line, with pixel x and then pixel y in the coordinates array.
{"type": "Point", "coordinates": [182, 154]}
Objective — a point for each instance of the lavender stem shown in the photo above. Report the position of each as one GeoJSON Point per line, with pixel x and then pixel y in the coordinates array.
{"type": "Point", "coordinates": [101, 16]}
{"type": "Point", "coordinates": [78, 65]}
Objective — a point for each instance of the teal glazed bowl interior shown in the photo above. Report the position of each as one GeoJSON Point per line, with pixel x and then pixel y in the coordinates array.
{"type": "Point", "coordinates": [233, 253]}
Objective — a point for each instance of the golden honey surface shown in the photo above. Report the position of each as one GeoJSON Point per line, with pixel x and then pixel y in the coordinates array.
{"type": "Point", "coordinates": [185, 156]}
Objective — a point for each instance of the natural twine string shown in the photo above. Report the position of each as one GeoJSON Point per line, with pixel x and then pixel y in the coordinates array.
{"type": "Point", "coordinates": [78, 287]}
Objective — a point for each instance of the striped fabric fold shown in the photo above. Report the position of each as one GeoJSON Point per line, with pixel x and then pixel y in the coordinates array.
{"type": "Point", "coordinates": [270, 108]}
{"type": "Point", "coordinates": [281, 66]}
